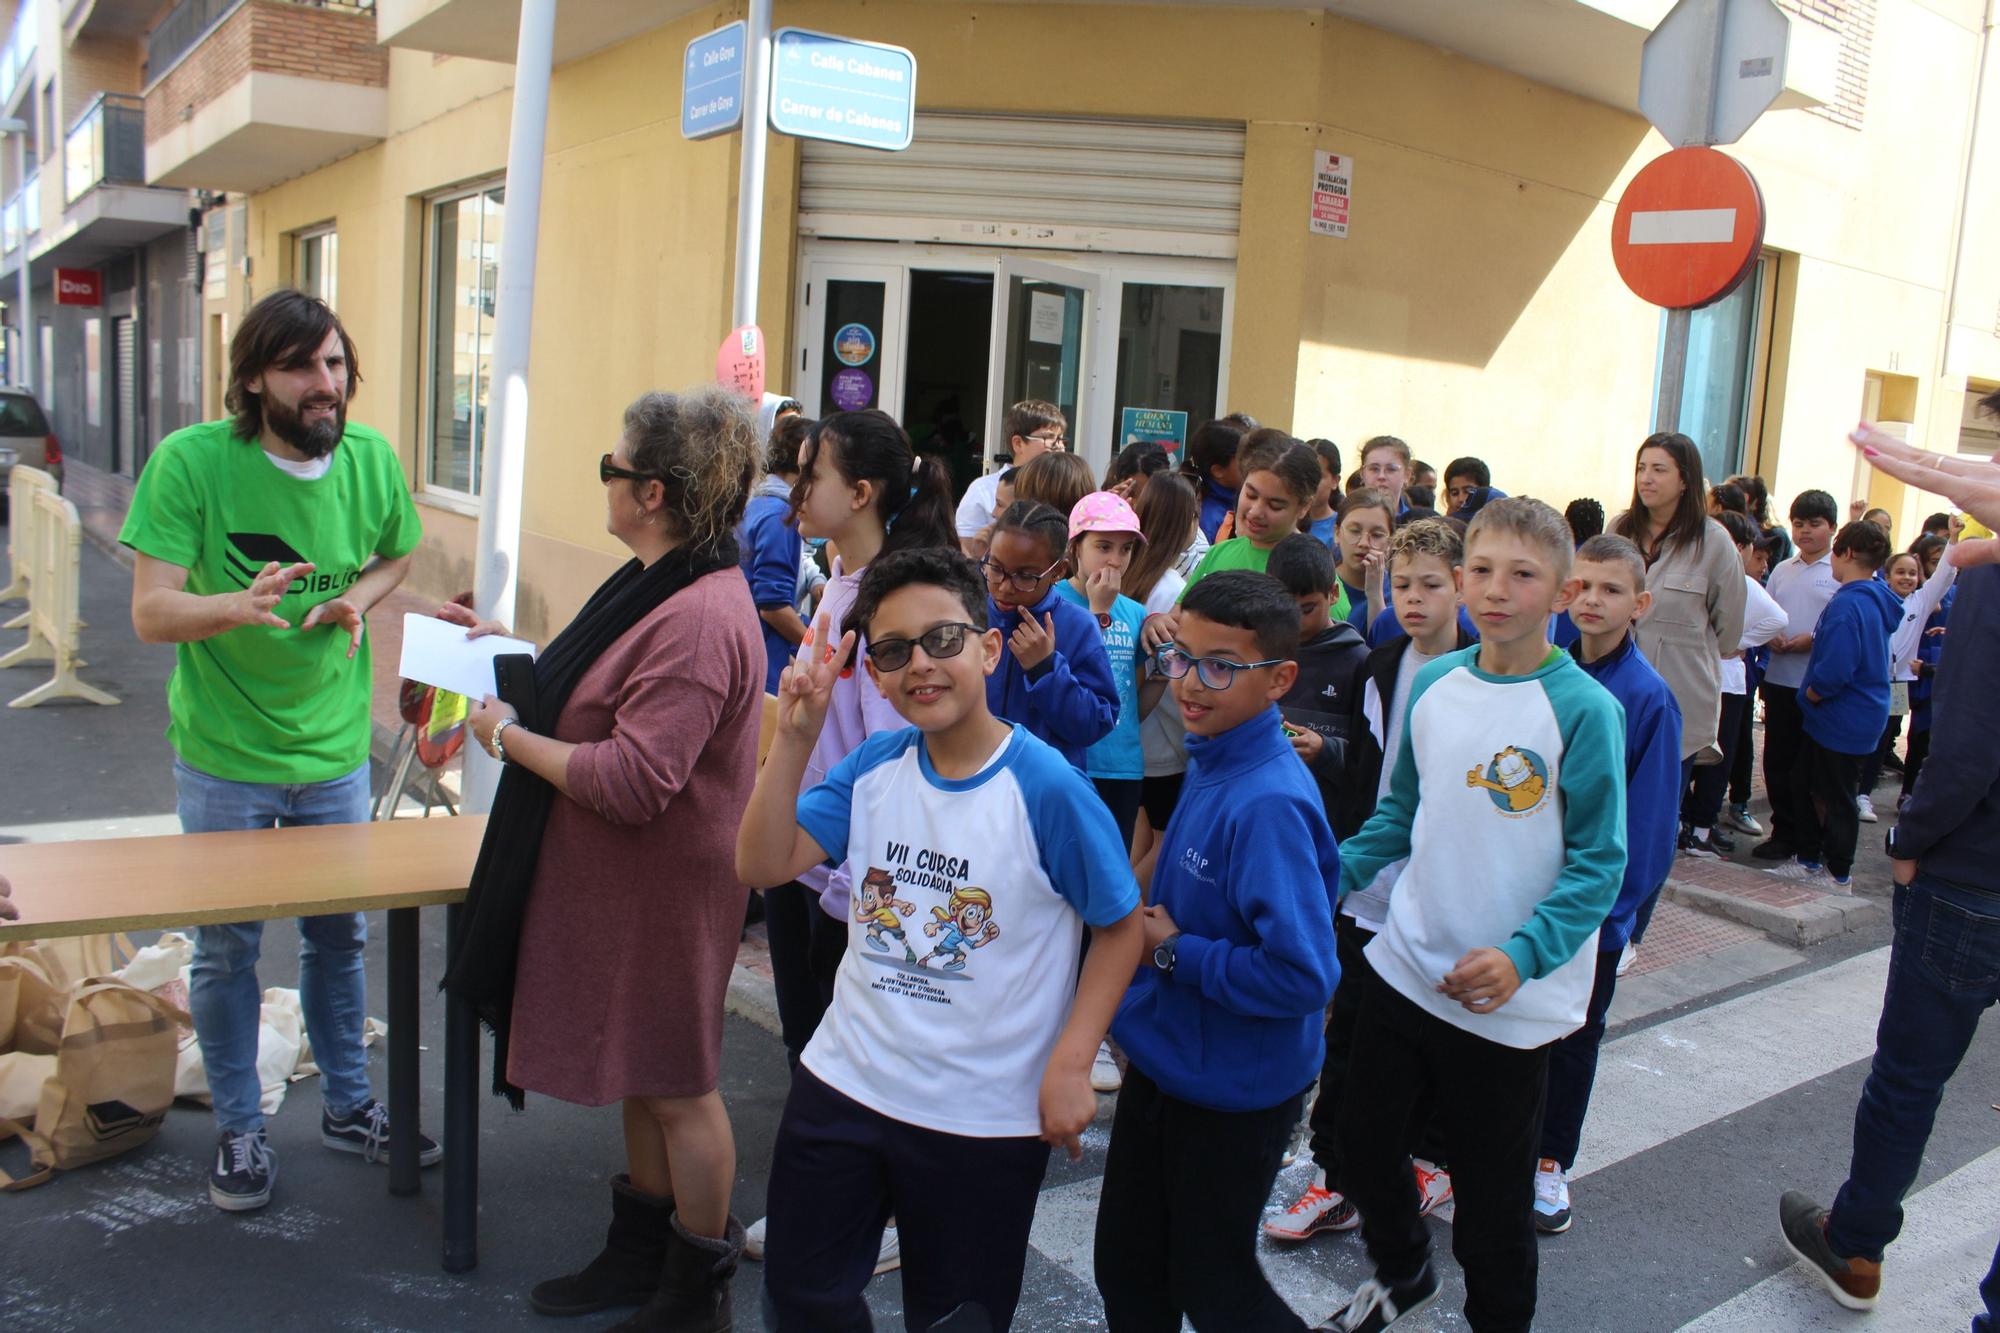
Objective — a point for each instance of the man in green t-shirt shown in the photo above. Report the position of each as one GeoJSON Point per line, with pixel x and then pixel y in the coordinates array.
{"type": "Point", "coordinates": [262, 542]}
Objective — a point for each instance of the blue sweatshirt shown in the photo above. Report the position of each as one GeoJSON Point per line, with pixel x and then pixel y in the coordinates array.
{"type": "Point", "coordinates": [1849, 668]}
{"type": "Point", "coordinates": [1652, 778]}
{"type": "Point", "coordinates": [1216, 505]}
{"type": "Point", "coordinates": [1248, 871]}
{"type": "Point", "coordinates": [1952, 823]}
{"type": "Point", "coordinates": [770, 557]}
{"type": "Point", "coordinates": [1930, 651]}
{"type": "Point", "coordinates": [1070, 698]}
{"type": "Point", "coordinates": [1385, 628]}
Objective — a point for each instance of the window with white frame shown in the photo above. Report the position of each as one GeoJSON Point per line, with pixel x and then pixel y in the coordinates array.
{"type": "Point", "coordinates": [462, 258]}
{"type": "Point", "coordinates": [316, 266]}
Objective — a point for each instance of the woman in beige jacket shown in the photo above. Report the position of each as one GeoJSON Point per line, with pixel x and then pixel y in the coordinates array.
{"type": "Point", "coordinates": [1696, 580]}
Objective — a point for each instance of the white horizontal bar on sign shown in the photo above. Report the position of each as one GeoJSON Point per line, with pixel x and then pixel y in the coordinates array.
{"type": "Point", "coordinates": [1682, 226]}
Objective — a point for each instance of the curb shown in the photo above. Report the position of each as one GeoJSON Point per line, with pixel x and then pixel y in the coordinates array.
{"type": "Point", "coordinates": [1806, 923]}
{"type": "Point", "coordinates": [754, 999]}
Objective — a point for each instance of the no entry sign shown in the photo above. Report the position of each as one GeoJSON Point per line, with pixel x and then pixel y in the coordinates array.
{"type": "Point", "coordinates": [1688, 229]}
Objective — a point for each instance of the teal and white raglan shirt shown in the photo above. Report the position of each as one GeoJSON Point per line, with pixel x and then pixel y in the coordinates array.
{"type": "Point", "coordinates": [1509, 801]}
{"type": "Point", "coordinates": [964, 927]}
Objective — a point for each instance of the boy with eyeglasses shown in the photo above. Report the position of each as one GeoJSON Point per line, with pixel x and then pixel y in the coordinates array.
{"type": "Point", "coordinates": [935, 1085]}
{"type": "Point", "coordinates": [1032, 428]}
{"type": "Point", "coordinates": [1223, 1029]}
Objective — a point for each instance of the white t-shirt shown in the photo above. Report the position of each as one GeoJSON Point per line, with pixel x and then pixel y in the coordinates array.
{"type": "Point", "coordinates": [1370, 906]}
{"type": "Point", "coordinates": [969, 901]}
{"type": "Point", "coordinates": [1763, 619]}
{"type": "Point", "coordinates": [312, 469]}
{"type": "Point", "coordinates": [975, 511]}
{"type": "Point", "coordinates": [1803, 589]}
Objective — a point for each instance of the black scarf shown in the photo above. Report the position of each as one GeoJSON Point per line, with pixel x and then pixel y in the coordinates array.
{"type": "Point", "coordinates": [496, 903]}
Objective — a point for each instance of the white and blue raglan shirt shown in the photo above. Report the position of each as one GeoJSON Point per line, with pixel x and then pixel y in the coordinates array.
{"type": "Point", "coordinates": [1508, 798]}
{"type": "Point", "coordinates": [964, 928]}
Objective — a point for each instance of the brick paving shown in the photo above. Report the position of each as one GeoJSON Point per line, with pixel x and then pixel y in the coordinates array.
{"type": "Point", "coordinates": [1680, 934]}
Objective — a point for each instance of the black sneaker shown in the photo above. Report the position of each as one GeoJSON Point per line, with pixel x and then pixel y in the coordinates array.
{"type": "Point", "coordinates": [1772, 849]}
{"type": "Point", "coordinates": [1376, 1305]}
{"type": "Point", "coordinates": [1855, 1283]}
{"type": "Point", "coordinates": [1721, 841]}
{"type": "Point", "coordinates": [365, 1130]}
{"type": "Point", "coordinates": [244, 1170]}
{"type": "Point", "coordinates": [1697, 846]}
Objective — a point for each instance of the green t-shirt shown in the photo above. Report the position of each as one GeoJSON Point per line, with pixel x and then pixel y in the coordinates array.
{"type": "Point", "coordinates": [257, 703]}
{"type": "Point", "coordinates": [1240, 553]}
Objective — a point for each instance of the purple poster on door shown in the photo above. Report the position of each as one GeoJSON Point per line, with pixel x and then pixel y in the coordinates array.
{"type": "Point", "coordinates": [852, 390]}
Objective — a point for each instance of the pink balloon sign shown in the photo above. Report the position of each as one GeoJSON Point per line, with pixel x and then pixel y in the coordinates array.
{"type": "Point", "coordinates": [739, 363]}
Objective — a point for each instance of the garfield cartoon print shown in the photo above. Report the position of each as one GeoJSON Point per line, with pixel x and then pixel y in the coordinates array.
{"type": "Point", "coordinates": [963, 924]}
{"type": "Point", "coordinates": [877, 907]}
{"type": "Point", "coordinates": [1516, 780]}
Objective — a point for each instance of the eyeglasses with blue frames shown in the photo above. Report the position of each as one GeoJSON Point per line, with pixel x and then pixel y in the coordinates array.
{"type": "Point", "coordinates": [1020, 580]}
{"type": "Point", "coordinates": [938, 643]}
{"type": "Point", "coordinates": [1217, 673]}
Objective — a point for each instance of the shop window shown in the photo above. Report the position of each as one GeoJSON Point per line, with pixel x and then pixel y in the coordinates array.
{"type": "Point", "coordinates": [316, 267]}
{"type": "Point", "coordinates": [463, 255]}
{"type": "Point", "coordinates": [1170, 349]}
{"type": "Point", "coordinates": [1729, 350]}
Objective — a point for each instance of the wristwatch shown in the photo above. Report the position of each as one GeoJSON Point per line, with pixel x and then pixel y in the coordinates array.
{"type": "Point", "coordinates": [1104, 620]}
{"type": "Point", "coordinates": [1163, 953]}
{"type": "Point", "coordinates": [496, 747]}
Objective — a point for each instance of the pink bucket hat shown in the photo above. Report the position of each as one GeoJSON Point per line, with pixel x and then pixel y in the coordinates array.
{"type": "Point", "coordinates": [1103, 511]}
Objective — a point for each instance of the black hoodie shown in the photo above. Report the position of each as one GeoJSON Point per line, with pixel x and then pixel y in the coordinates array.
{"type": "Point", "coordinates": [1319, 700]}
{"type": "Point", "coordinates": [1363, 774]}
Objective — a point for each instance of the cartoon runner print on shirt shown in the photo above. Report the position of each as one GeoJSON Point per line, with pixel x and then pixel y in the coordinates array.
{"type": "Point", "coordinates": [1516, 781]}
{"type": "Point", "coordinates": [963, 924]}
{"type": "Point", "coordinates": [877, 907]}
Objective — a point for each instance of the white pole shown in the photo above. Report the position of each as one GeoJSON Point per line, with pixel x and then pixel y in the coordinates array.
{"type": "Point", "coordinates": [496, 572]}
{"type": "Point", "coordinates": [26, 377]}
{"type": "Point", "coordinates": [750, 184]}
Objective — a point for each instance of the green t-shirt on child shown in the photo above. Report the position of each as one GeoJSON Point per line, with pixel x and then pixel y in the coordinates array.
{"type": "Point", "coordinates": [1241, 553]}
{"type": "Point", "coordinates": [258, 703]}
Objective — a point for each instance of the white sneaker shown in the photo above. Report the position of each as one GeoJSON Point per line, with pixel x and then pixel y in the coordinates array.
{"type": "Point", "coordinates": [890, 1257]}
{"type": "Point", "coordinates": [1812, 876]}
{"type": "Point", "coordinates": [1864, 807]}
{"type": "Point", "coordinates": [753, 1240]}
{"type": "Point", "coordinates": [1433, 1186]}
{"type": "Point", "coordinates": [1552, 1215]}
{"type": "Point", "coordinates": [1318, 1209]}
{"type": "Point", "coordinates": [1740, 818]}
{"type": "Point", "coordinates": [1104, 1075]}
{"type": "Point", "coordinates": [1627, 958]}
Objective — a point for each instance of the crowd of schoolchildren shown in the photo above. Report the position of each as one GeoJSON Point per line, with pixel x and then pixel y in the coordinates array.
{"type": "Point", "coordinates": [1342, 799]}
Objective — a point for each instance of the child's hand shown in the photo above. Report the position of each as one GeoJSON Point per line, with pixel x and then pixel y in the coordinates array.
{"type": "Point", "coordinates": [1159, 630]}
{"type": "Point", "coordinates": [1034, 640]}
{"type": "Point", "coordinates": [1482, 981]}
{"type": "Point", "coordinates": [1102, 588]}
{"type": "Point", "coordinates": [1068, 1106]}
{"type": "Point", "coordinates": [807, 685]}
{"type": "Point", "coordinates": [1855, 509]}
{"type": "Point", "coordinates": [1307, 743]}
{"type": "Point", "coordinates": [1158, 927]}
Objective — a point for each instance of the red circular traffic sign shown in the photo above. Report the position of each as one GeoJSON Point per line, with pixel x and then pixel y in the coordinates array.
{"type": "Point", "coordinates": [1688, 229]}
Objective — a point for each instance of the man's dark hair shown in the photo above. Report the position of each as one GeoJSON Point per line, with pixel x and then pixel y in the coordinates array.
{"type": "Point", "coordinates": [1815, 504]}
{"type": "Point", "coordinates": [1585, 518]}
{"type": "Point", "coordinates": [1938, 522]}
{"type": "Point", "coordinates": [781, 454]}
{"type": "Point", "coordinates": [283, 331]}
{"type": "Point", "coordinates": [1420, 497]}
{"type": "Point", "coordinates": [1245, 599]}
{"type": "Point", "coordinates": [1739, 527]}
{"type": "Point", "coordinates": [935, 566]}
{"type": "Point", "coordinates": [1862, 542]}
{"type": "Point", "coordinates": [1303, 564]}
{"type": "Point", "coordinates": [1468, 467]}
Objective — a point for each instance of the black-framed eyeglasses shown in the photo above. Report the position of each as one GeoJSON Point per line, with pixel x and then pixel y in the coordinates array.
{"type": "Point", "coordinates": [606, 470]}
{"type": "Point", "coordinates": [1217, 673]}
{"type": "Point", "coordinates": [1020, 580]}
{"type": "Point", "coordinates": [938, 643]}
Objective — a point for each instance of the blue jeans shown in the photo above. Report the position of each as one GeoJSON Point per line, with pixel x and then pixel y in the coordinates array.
{"type": "Point", "coordinates": [1944, 972]}
{"type": "Point", "coordinates": [224, 995]}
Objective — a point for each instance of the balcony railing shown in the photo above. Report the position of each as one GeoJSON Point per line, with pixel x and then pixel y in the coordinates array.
{"type": "Point", "coordinates": [19, 53]}
{"type": "Point", "coordinates": [182, 30]}
{"type": "Point", "coordinates": [107, 145]}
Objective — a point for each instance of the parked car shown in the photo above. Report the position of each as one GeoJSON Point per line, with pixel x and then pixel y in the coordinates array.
{"type": "Point", "coordinates": [25, 437]}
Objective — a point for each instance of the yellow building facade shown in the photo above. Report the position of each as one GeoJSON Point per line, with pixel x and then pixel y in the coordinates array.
{"type": "Point", "coordinates": [1112, 203]}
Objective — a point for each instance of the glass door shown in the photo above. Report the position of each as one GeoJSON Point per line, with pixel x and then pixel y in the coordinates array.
{"type": "Point", "coordinates": [1043, 328]}
{"type": "Point", "coordinates": [851, 352]}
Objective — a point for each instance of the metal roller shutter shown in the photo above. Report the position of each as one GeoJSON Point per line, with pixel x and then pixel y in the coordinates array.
{"type": "Point", "coordinates": [1132, 187]}
{"type": "Point", "coordinates": [125, 352]}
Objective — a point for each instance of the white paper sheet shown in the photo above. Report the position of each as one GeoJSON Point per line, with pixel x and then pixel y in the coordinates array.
{"type": "Point", "coordinates": [437, 652]}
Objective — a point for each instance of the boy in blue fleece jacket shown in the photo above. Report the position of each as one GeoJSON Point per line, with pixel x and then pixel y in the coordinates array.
{"type": "Point", "coordinates": [1845, 692]}
{"type": "Point", "coordinates": [1607, 596]}
{"type": "Point", "coordinates": [1054, 677]}
{"type": "Point", "coordinates": [1508, 799]}
{"type": "Point", "coordinates": [1223, 1027]}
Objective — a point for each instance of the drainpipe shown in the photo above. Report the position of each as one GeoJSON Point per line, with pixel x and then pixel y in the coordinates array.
{"type": "Point", "coordinates": [1966, 167]}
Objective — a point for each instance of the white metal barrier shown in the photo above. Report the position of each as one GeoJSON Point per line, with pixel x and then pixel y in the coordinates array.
{"type": "Point", "coordinates": [55, 565]}
{"type": "Point", "coordinates": [22, 484]}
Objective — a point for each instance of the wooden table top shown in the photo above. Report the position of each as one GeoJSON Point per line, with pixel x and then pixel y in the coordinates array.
{"type": "Point", "coordinates": [112, 884]}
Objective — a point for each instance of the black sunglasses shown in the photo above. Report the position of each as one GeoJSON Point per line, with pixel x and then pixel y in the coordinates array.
{"type": "Point", "coordinates": [938, 642]}
{"type": "Point", "coordinates": [606, 470]}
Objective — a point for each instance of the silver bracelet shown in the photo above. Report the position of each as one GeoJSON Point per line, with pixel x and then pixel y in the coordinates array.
{"type": "Point", "coordinates": [496, 747]}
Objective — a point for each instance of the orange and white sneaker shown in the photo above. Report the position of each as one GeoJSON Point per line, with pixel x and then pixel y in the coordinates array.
{"type": "Point", "coordinates": [1433, 1186]}
{"type": "Point", "coordinates": [1318, 1209]}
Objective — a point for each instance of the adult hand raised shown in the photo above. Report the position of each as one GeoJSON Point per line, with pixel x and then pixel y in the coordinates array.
{"type": "Point", "coordinates": [1972, 485]}
{"type": "Point", "coordinates": [254, 603]}
{"type": "Point", "coordinates": [338, 611]}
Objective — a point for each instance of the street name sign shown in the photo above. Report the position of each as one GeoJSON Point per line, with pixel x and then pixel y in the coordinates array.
{"type": "Point", "coordinates": [842, 90]}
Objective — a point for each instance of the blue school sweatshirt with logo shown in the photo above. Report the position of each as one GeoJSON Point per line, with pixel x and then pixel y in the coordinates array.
{"type": "Point", "coordinates": [1070, 697]}
{"type": "Point", "coordinates": [1849, 668]}
{"type": "Point", "coordinates": [1248, 871]}
{"type": "Point", "coordinates": [1652, 778]}
{"type": "Point", "coordinates": [1508, 798]}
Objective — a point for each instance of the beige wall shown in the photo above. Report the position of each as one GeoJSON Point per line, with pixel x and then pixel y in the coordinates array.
{"type": "Point", "coordinates": [1474, 308]}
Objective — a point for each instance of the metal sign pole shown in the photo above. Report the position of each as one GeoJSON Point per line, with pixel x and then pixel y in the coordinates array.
{"type": "Point", "coordinates": [750, 183]}
{"type": "Point", "coordinates": [1701, 95]}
